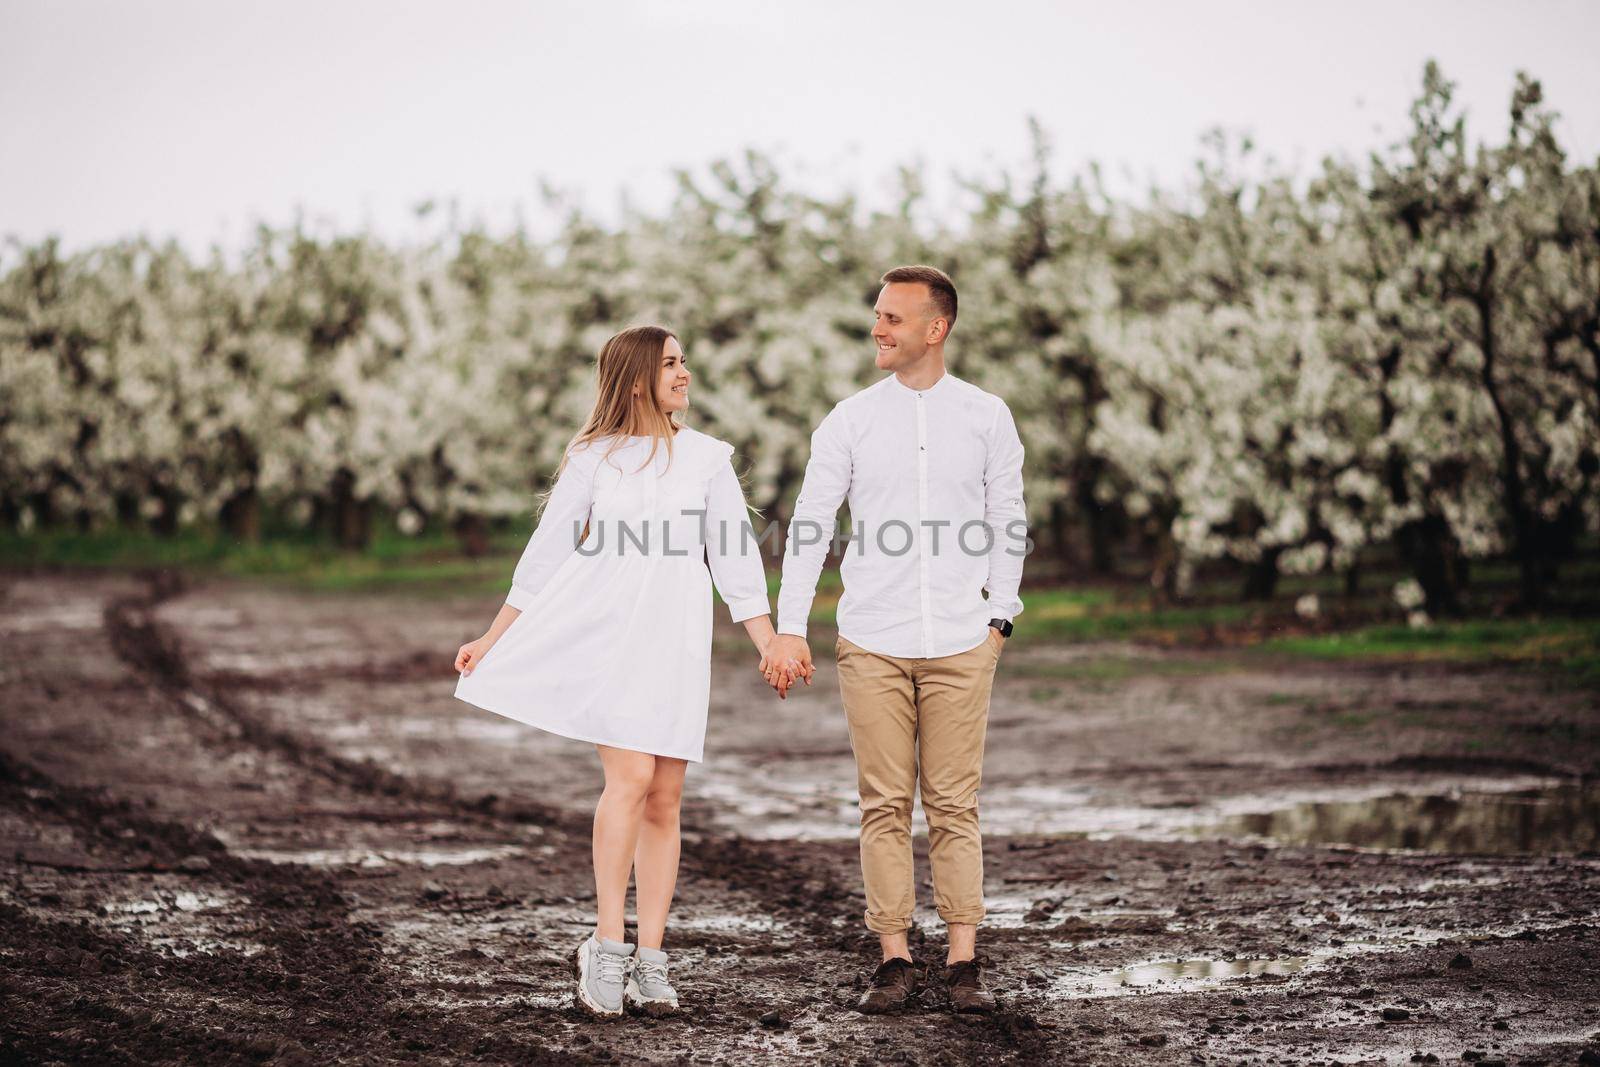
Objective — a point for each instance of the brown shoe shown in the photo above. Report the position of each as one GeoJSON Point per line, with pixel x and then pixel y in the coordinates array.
{"type": "Point", "coordinates": [892, 983]}
{"type": "Point", "coordinates": [963, 981]}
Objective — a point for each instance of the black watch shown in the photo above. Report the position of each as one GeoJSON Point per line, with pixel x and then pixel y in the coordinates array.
{"type": "Point", "coordinates": [1003, 625]}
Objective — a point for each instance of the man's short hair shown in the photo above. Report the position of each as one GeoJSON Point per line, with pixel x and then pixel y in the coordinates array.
{"type": "Point", "coordinates": [940, 288]}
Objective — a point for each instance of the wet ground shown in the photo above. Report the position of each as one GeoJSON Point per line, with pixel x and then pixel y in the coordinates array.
{"type": "Point", "coordinates": [241, 825]}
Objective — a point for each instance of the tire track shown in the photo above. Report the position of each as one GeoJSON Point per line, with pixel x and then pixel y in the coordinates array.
{"type": "Point", "coordinates": [321, 989]}
{"type": "Point", "coordinates": [807, 894]}
{"type": "Point", "coordinates": [154, 653]}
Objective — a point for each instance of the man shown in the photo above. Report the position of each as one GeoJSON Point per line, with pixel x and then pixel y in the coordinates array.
{"type": "Point", "coordinates": [932, 468]}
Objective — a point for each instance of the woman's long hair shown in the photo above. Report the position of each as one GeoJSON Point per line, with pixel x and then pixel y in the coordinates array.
{"type": "Point", "coordinates": [628, 361]}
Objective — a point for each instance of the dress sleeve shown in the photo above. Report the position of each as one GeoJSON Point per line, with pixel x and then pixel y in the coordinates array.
{"type": "Point", "coordinates": [732, 548]}
{"type": "Point", "coordinates": [560, 528]}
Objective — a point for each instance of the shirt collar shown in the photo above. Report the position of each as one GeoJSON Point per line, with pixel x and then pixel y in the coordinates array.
{"type": "Point", "coordinates": [935, 387]}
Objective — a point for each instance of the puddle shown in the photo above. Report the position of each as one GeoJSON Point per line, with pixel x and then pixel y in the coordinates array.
{"type": "Point", "coordinates": [544, 916]}
{"type": "Point", "coordinates": [185, 947]}
{"type": "Point", "coordinates": [1448, 814]}
{"type": "Point", "coordinates": [185, 901]}
{"type": "Point", "coordinates": [274, 662]}
{"type": "Point", "coordinates": [1177, 976]}
{"type": "Point", "coordinates": [491, 994]}
{"type": "Point", "coordinates": [1011, 910]}
{"type": "Point", "coordinates": [1188, 972]}
{"type": "Point", "coordinates": [1186, 976]}
{"type": "Point", "coordinates": [1540, 821]}
{"type": "Point", "coordinates": [762, 806]}
{"type": "Point", "coordinates": [721, 924]}
{"type": "Point", "coordinates": [67, 616]}
{"type": "Point", "coordinates": [363, 857]}
{"type": "Point", "coordinates": [172, 922]}
{"type": "Point", "coordinates": [458, 729]}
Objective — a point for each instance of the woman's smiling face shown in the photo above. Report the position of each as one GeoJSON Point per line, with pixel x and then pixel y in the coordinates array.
{"type": "Point", "coordinates": [672, 383]}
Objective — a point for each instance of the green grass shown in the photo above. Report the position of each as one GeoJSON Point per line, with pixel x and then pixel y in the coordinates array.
{"type": "Point", "coordinates": [433, 565]}
{"type": "Point", "coordinates": [1079, 613]}
{"type": "Point", "coordinates": [1573, 645]}
{"type": "Point", "coordinates": [1477, 639]}
{"type": "Point", "coordinates": [1119, 668]}
{"type": "Point", "coordinates": [425, 565]}
{"type": "Point", "coordinates": [1133, 621]}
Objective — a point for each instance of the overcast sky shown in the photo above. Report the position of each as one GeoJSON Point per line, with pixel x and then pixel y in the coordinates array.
{"type": "Point", "coordinates": [195, 119]}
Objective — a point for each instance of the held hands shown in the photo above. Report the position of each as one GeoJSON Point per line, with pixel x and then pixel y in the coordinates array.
{"type": "Point", "coordinates": [785, 660]}
{"type": "Point", "coordinates": [470, 653]}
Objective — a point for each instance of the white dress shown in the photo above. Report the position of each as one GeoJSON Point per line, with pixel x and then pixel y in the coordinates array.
{"type": "Point", "coordinates": [613, 645]}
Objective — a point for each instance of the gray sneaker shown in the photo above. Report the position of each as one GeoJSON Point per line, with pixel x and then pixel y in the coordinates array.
{"type": "Point", "coordinates": [603, 967]}
{"type": "Point", "coordinates": [648, 988]}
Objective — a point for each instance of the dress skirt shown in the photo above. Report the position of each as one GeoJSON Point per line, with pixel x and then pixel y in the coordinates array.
{"type": "Point", "coordinates": [613, 643]}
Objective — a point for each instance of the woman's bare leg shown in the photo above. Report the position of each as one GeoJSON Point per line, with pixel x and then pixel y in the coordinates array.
{"type": "Point", "coordinates": [655, 861]}
{"type": "Point", "coordinates": [616, 832]}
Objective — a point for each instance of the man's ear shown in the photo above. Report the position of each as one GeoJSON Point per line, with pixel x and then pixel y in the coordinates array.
{"type": "Point", "coordinates": [938, 330]}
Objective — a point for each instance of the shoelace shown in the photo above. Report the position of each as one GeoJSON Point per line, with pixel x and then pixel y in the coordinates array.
{"type": "Point", "coordinates": [612, 966]}
{"type": "Point", "coordinates": [650, 971]}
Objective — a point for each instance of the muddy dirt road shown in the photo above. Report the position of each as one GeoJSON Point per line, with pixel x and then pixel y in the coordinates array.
{"type": "Point", "coordinates": [240, 825]}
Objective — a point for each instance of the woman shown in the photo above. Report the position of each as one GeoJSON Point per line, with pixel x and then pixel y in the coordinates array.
{"type": "Point", "coordinates": [605, 637]}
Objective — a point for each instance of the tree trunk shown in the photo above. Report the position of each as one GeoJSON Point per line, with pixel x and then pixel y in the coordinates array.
{"type": "Point", "coordinates": [241, 516]}
{"type": "Point", "coordinates": [127, 505]}
{"type": "Point", "coordinates": [165, 523]}
{"type": "Point", "coordinates": [1352, 580]}
{"type": "Point", "coordinates": [241, 512]}
{"type": "Point", "coordinates": [44, 512]}
{"type": "Point", "coordinates": [351, 518]}
{"type": "Point", "coordinates": [1425, 545]}
{"type": "Point", "coordinates": [1512, 493]}
{"type": "Point", "coordinates": [1061, 532]}
{"type": "Point", "coordinates": [1429, 550]}
{"type": "Point", "coordinates": [1097, 517]}
{"type": "Point", "coordinates": [1261, 580]}
{"type": "Point", "coordinates": [472, 534]}
{"type": "Point", "coordinates": [1164, 574]}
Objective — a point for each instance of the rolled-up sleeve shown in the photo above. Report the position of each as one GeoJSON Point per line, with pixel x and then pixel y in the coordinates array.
{"type": "Point", "coordinates": [732, 549]}
{"type": "Point", "coordinates": [1005, 515]}
{"type": "Point", "coordinates": [559, 531]}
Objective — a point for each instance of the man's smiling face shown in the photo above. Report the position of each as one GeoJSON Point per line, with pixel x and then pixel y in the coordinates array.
{"type": "Point", "coordinates": [905, 316]}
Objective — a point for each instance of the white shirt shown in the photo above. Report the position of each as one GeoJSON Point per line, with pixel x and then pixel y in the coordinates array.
{"type": "Point", "coordinates": [934, 481]}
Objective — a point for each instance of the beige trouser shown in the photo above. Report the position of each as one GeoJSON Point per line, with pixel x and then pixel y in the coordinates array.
{"type": "Point", "coordinates": [903, 712]}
